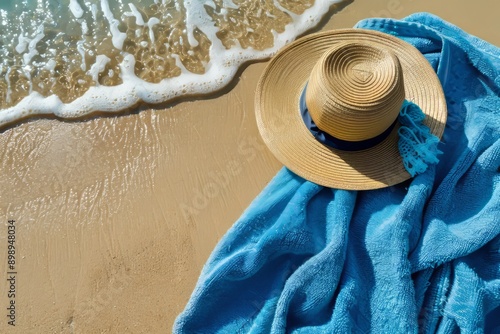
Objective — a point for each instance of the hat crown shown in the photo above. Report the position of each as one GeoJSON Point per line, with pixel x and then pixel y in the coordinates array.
{"type": "Point", "coordinates": [355, 91]}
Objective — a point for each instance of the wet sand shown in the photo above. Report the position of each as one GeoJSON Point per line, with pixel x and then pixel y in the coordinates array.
{"type": "Point", "coordinates": [115, 216]}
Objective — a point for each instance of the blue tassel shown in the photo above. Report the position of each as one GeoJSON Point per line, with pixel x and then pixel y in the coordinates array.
{"type": "Point", "coordinates": [417, 145]}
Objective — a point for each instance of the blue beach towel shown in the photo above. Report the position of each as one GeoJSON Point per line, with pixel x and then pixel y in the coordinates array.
{"type": "Point", "coordinates": [419, 257]}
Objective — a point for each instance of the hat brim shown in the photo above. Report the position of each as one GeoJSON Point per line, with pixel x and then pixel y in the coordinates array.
{"type": "Point", "coordinates": [284, 132]}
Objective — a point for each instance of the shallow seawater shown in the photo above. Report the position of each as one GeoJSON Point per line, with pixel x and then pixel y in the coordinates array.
{"type": "Point", "coordinates": [74, 57]}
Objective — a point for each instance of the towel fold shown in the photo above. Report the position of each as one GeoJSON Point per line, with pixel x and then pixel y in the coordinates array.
{"type": "Point", "coordinates": [419, 257]}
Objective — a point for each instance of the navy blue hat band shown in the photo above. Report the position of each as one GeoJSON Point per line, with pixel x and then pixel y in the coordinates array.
{"type": "Point", "coordinates": [334, 142]}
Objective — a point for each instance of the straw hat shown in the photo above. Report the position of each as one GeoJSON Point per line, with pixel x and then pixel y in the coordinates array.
{"type": "Point", "coordinates": [353, 83]}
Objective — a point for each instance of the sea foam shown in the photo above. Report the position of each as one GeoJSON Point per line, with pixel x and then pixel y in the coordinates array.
{"type": "Point", "coordinates": [119, 55]}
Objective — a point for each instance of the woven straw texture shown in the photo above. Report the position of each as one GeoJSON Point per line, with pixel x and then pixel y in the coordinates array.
{"type": "Point", "coordinates": [357, 80]}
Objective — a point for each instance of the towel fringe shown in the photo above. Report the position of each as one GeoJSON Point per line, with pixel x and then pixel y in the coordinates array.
{"type": "Point", "coordinates": [417, 145]}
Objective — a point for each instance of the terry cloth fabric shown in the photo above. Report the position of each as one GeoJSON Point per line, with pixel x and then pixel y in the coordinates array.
{"type": "Point", "coordinates": [422, 256]}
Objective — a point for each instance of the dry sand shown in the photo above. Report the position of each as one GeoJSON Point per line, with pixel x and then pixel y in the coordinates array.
{"type": "Point", "coordinates": [116, 216]}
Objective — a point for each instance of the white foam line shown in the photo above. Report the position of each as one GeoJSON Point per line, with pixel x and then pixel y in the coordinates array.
{"type": "Point", "coordinates": [50, 65]}
{"type": "Point", "coordinates": [151, 23]}
{"type": "Point", "coordinates": [32, 51]}
{"type": "Point", "coordinates": [179, 64]}
{"type": "Point", "coordinates": [22, 44]}
{"type": "Point", "coordinates": [229, 4]}
{"type": "Point", "coordinates": [294, 16]}
{"type": "Point", "coordinates": [75, 8]}
{"type": "Point", "coordinates": [118, 37]}
{"type": "Point", "coordinates": [81, 51]}
{"type": "Point", "coordinates": [80, 44]}
{"type": "Point", "coordinates": [93, 10]}
{"type": "Point", "coordinates": [27, 73]}
{"type": "Point", "coordinates": [138, 17]}
{"type": "Point", "coordinates": [85, 28]}
{"type": "Point", "coordinates": [98, 67]}
{"type": "Point", "coordinates": [217, 75]}
{"type": "Point", "coordinates": [9, 91]}
{"type": "Point", "coordinates": [191, 19]}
